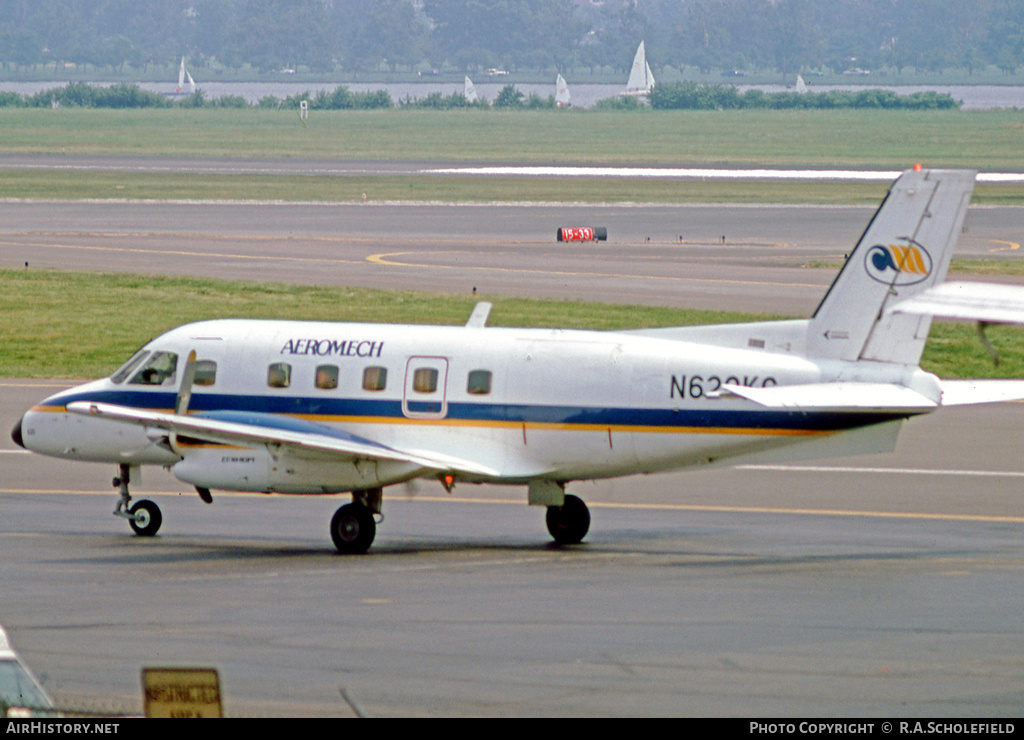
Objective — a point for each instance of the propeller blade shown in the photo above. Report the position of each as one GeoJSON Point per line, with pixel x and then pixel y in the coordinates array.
{"type": "Point", "coordinates": [187, 379]}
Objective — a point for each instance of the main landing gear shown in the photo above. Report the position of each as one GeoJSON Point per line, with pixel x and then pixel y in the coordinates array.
{"type": "Point", "coordinates": [570, 522]}
{"type": "Point", "coordinates": [354, 525]}
{"type": "Point", "coordinates": [144, 516]}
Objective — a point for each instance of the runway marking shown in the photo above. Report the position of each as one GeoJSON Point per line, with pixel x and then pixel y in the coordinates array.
{"type": "Point", "coordinates": [634, 506]}
{"type": "Point", "coordinates": [725, 509]}
{"type": "Point", "coordinates": [889, 471]}
{"type": "Point", "coordinates": [182, 253]}
{"type": "Point", "coordinates": [697, 173]}
{"type": "Point", "coordinates": [385, 259]}
{"type": "Point", "coordinates": [1010, 246]}
{"type": "Point", "coordinates": [381, 258]}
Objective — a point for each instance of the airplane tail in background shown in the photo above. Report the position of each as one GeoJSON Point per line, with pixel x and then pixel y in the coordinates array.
{"type": "Point", "coordinates": [905, 250]}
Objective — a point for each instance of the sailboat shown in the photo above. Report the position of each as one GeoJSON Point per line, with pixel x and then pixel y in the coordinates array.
{"type": "Point", "coordinates": [562, 98]}
{"type": "Point", "coordinates": [183, 88]}
{"type": "Point", "coordinates": [641, 79]}
{"type": "Point", "coordinates": [801, 86]}
{"type": "Point", "coordinates": [469, 91]}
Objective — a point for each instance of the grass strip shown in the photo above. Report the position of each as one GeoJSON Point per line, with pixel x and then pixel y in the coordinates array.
{"type": "Point", "coordinates": [859, 139]}
{"type": "Point", "coordinates": [83, 325]}
{"type": "Point", "coordinates": [114, 185]}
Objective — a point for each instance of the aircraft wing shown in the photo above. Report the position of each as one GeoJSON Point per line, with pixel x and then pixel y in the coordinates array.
{"type": "Point", "coordinates": [842, 396]}
{"type": "Point", "coordinates": [990, 302]}
{"type": "Point", "coordinates": [985, 302]}
{"type": "Point", "coordinates": [240, 428]}
{"type": "Point", "coordinates": [963, 392]}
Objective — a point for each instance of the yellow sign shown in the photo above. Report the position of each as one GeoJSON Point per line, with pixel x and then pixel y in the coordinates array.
{"type": "Point", "coordinates": [181, 692]}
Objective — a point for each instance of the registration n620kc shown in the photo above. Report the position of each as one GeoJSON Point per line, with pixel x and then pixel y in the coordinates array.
{"type": "Point", "coordinates": [309, 408]}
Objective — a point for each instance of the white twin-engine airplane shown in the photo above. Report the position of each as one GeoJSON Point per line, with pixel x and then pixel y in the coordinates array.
{"type": "Point", "coordinates": [323, 408]}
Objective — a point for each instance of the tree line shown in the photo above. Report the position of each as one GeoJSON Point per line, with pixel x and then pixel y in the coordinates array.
{"type": "Point", "coordinates": [672, 96]}
{"type": "Point", "coordinates": [788, 36]}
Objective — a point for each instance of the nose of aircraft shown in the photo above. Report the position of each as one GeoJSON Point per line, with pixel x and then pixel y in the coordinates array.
{"type": "Point", "coordinates": [16, 435]}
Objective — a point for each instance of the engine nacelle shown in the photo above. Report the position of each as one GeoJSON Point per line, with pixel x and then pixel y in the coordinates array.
{"type": "Point", "coordinates": [257, 469]}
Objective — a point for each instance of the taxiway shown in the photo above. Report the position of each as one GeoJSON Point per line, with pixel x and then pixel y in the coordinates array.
{"type": "Point", "coordinates": [883, 586]}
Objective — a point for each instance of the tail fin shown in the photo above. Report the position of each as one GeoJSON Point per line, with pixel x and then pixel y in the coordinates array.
{"type": "Point", "coordinates": [905, 249]}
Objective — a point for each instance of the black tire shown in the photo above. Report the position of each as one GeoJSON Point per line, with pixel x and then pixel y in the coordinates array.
{"type": "Point", "coordinates": [570, 522]}
{"type": "Point", "coordinates": [145, 518]}
{"type": "Point", "coordinates": [353, 529]}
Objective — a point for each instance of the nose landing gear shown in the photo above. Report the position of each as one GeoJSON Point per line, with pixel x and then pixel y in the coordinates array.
{"type": "Point", "coordinates": [144, 516]}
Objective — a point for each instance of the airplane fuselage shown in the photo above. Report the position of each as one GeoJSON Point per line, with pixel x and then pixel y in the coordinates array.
{"type": "Point", "coordinates": [525, 403]}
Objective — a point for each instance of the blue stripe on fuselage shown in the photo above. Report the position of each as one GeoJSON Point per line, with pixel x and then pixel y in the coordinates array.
{"type": "Point", "coordinates": [483, 413]}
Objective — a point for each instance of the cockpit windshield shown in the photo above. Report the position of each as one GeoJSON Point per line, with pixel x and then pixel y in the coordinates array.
{"type": "Point", "coordinates": [129, 367]}
{"type": "Point", "coordinates": [17, 689]}
{"type": "Point", "coordinates": [159, 370]}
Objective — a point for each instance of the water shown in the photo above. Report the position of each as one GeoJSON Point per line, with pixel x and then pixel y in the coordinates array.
{"type": "Point", "coordinates": [974, 97]}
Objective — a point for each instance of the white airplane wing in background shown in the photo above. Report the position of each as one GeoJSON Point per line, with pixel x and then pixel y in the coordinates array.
{"type": "Point", "coordinates": [987, 303]}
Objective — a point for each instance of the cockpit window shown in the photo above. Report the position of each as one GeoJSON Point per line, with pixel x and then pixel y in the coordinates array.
{"type": "Point", "coordinates": [17, 689]}
{"type": "Point", "coordinates": [206, 372]}
{"type": "Point", "coordinates": [159, 369]}
{"type": "Point", "coordinates": [129, 367]}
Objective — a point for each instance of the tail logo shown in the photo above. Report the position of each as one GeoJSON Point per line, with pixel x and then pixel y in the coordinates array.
{"type": "Point", "coordinates": [898, 264]}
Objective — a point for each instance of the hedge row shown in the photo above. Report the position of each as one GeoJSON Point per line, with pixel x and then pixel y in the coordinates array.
{"type": "Point", "coordinates": [675, 96]}
{"type": "Point", "coordinates": [691, 96]}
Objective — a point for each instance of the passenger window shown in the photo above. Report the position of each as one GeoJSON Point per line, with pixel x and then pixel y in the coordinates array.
{"type": "Point", "coordinates": [160, 368]}
{"type": "Point", "coordinates": [279, 375]}
{"type": "Point", "coordinates": [479, 382]}
{"type": "Point", "coordinates": [424, 380]}
{"type": "Point", "coordinates": [375, 378]}
{"type": "Point", "coordinates": [206, 372]}
{"type": "Point", "coordinates": [327, 377]}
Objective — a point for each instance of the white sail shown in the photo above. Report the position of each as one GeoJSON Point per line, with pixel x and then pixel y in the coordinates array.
{"type": "Point", "coordinates": [562, 98]}
{"type": "Point", "coordinates": [640, 78]}
{"type": "Point", "coordinates": [801, 86]}
{"type": "Point", "coordinates": [183, 75]}
{"type": "Point", "coordinates": [470, 91]}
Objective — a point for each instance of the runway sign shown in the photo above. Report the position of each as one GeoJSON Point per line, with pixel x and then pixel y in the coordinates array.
{"type": "Point", "coordinates": [181, 692]}
{"type": "Point", "coordinates": [583, 234]}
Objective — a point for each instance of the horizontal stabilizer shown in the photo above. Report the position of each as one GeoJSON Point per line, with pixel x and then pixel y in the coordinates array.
{"type": "Point", "coordinates": [265, 429]}
{"type": "Point", "coordinates": [836, 396]}
{"type": "Point", "coordinates": [990, 302]}
{"type": "Point", "coordinates": [963, 392]}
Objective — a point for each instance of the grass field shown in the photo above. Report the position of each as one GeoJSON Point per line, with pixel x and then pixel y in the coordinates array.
{"type": "Point", "coordinates": [859, 139]}
{"type": "Point", "coordinates": [45, 337]}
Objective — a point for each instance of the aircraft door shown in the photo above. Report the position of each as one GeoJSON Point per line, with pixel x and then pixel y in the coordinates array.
{"type": "Point", "coordinates": [425, 393]}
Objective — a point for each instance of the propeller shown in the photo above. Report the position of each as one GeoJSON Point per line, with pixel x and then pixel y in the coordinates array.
{"type": "Point", "coordinates": [188, 378]}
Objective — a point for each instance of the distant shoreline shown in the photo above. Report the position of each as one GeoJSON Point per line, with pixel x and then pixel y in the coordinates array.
{"type": "Point", "coordinates": [584, 95]}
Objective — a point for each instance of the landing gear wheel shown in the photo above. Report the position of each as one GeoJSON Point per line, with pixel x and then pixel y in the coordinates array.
{"type": "Point", "coordinates": [570, 522]}
{"type": "Point", "coordinates": [353, 529]}
{"type": "Point", "coordinates": [145, 518]}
